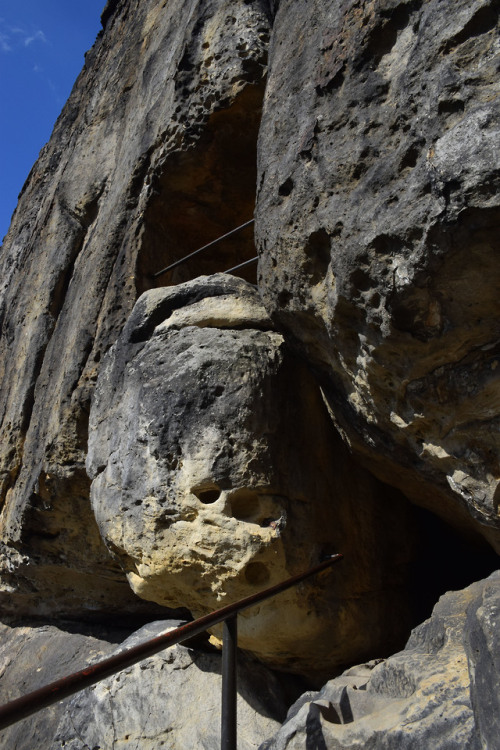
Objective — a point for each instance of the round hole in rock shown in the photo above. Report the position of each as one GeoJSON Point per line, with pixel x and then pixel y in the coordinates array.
{"type": "Point", "coordinates": [244, 504]}
{"type": "Point", "coordinates": [207, 495]}
{"type": "Point", "coordinates": [257, 573]}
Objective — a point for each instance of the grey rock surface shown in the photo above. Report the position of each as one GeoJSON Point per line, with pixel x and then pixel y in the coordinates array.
{"type": "Point", "coordinates": [440, 692]}
{"type": "Point", "coordinates": [35, 654]}
{"type": "Point", "coordinates": [377, 226]}
{"type": "Point", "coordinates": [152, 156]}
{"type": "Point", "coordinates": [481, 642]}
{"type": "Point", "coordinates": [171, 700]}
{"type": "Point", "coordinates": [206, 485]}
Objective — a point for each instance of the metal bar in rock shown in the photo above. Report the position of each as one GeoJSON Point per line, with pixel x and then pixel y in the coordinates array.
{"type": "Point", "coordinates": [229, 684]}
{"type": "Point", "coordinates": [240, 265]}
{"type": "Point", "coordinates": [195, 252]}
{"type": "Point", "coordinates": [29, 704]}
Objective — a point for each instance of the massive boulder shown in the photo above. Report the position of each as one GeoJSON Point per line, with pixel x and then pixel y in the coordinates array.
{"type": "Point", "coordinates": [152, 156]}
{"type": "Point", "coordinates": [441, 692]}
{"type": "Point", "coordinates": [216, 472]}
{"type": "Point", "coordinates": [377, 225]}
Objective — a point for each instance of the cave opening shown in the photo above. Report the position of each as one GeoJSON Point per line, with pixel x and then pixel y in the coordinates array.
{"type": "Point", "coordinates": [444, 560]}
{"type": "Point", "coordinates": [201, 194]}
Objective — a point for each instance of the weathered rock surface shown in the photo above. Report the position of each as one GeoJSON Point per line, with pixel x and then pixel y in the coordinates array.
{"type": "Point", "coordinates": [206, 489]}
{"type": "Point", "coordinates": [215, 467]}
{"type": "Point", "coordinates": [33, 655]}
{"type": "Point", "coordinates": [440, 692]}
{"type": "Point", "coordinates": [377, 223]}
{"type": "Point", "coordinates": [169, 700]}
{"type": "Point", "coordinates": [152, 156]}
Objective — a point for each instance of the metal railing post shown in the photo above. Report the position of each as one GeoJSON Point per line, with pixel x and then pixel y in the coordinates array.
{"type": "Point", "coordinates": [229, 683]}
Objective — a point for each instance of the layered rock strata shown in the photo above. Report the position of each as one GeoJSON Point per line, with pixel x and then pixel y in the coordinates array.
{"type": "Point", "coordinates": [377, 225]}
{"type": "Point", "coordinates": [152, 156]}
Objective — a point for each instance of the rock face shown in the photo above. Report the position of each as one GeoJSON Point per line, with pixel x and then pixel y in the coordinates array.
{"type": "Point", "coordinates": [152, 156]}
{"type": "Point", "coordinates": [204, 492]}
{"type": "Point", "coordinates": [231, 443]}
{"type": "Point", "coordinates": [377, 224]}
{"type": "Point", "coordinates": [169, 700]}
{"type": "Point", "coordinates": [33, 655]}
{"type": "Point", "coordinates": [440, 692]}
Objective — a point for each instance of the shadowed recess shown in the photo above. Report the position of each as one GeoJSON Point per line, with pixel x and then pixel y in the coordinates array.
{"type": "Point", "coordinates": [202, 194]}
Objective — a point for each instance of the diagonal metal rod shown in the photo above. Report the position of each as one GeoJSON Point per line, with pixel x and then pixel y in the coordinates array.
{"type": "Point", "coordinates": [195, 252]}
{"type": "Point", "coordinates": [240, 265]}
{"type": "Point", "coordinates": [66, 686]}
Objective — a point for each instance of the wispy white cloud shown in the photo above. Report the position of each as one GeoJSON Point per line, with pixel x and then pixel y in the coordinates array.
{"type": "Point", "coordinates": [4, 43]}
{"type": "Point", "coordinates": [4, 37]}
{"type": "Point", "coordinates": [38, 36]}
{"type": "Point", "coordinates": [11, 37]}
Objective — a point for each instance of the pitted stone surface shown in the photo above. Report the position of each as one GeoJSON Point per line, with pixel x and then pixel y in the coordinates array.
{"type": "Point", "coordinates": [377, 224]}
{"type": "Point", "coordinates": [216, 472]}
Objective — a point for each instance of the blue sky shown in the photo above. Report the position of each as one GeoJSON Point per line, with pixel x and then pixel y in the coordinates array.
{"type": "Point", "coordinates": [42, 46]}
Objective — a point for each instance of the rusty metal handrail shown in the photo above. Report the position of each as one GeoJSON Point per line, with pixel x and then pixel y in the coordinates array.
{"type": "Point", "coordinates": [28, 704]}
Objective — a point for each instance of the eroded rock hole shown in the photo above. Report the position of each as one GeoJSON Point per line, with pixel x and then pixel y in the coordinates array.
{"type": "Point", "coordinates": [244, 505]}
{"type": "Point", "coordinates": [318, 255]}
{"type": "Point", "coordinates": [257, 573]}
{"type": "Point", "coordinates": [207, 495]}
{"type": "Point", "coordinates": [201, 194]}
{"type": "Point", "coordinates": [286, 187]}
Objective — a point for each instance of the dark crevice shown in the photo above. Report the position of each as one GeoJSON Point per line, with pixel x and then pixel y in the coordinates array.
{"type": "Point", "coordinates": [451, 106]}
{"type": "Point", "coordinates": [409, 160]}
{"type": "Point", "coordinates": [383, 36]}
{"type": "Point", "coordinates": [483, 20]}
{"type": "Point", "coordinates": [109, 10]}
{"type": "Point", "coordinates": [318, 255]}
{"type": "Point", "coordinates": [201, 194]}
{"type": "Point", "coordinates": [444, 561]}
{"type": "Point", "coordinates": [286, 188]}
{"type": "Point", "coordinates": [334, 81]}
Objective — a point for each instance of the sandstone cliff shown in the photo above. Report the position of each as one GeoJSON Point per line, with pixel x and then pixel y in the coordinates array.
{"type": "Point", "coordinates": [153, 155]}
{"type": "Point", "coordinates": [377, 223]}
{"type": "Point", "coordinates": [177, 440]}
